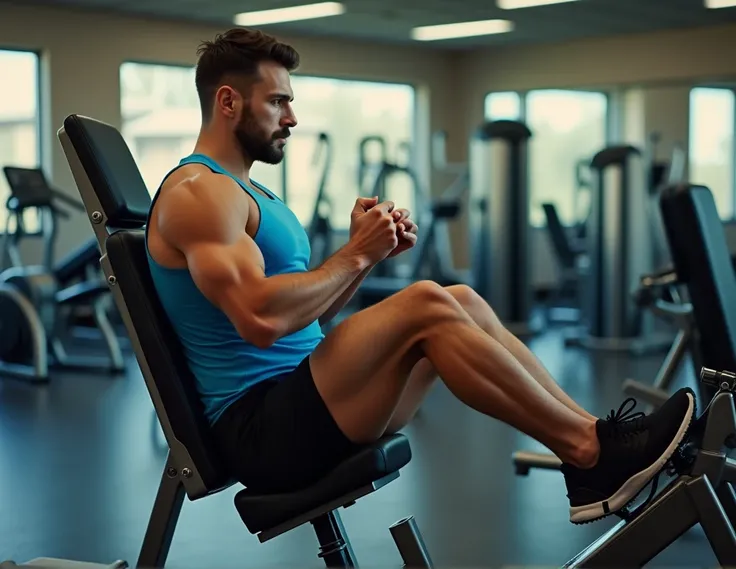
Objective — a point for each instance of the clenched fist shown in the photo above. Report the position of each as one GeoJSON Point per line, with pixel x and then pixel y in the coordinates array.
{"type": "Point", "coordinates": [406, 232]}
{"type": "Point", "coordinates": [373, 230]}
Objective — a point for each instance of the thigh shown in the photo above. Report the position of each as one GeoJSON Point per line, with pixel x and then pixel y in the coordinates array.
{"type": "Point", "coordinates": [420, 381]}
{"type": "Point", "coordinates": [362, 366]}
{"type": "Point", "coordinates": [282, 437]}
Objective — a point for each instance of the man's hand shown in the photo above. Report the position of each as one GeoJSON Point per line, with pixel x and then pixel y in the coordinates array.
{"type": "Point", "coordinates": [406, 232]}
{"type": "Point", "coordinates": [362, 205]}
{"type": "Point", "coordinates": [373, 233]}
{"type": "Point", "coordinates": [406, 229]}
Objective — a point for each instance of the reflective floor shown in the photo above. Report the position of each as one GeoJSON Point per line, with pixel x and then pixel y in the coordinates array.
{"type": "Point", "coordinates": [80, 461]}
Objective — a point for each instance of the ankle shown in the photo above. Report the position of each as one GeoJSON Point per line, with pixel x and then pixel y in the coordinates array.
{"type": "Point", "coordinates": [587, 449]}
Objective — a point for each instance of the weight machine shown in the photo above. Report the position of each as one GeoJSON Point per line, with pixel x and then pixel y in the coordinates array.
{"type": "Point", "coordinates": [500, 235]}
{"type": "Point", "coordinates": [320, 230]}
{"type": "Point", "coordinates": [36, 301]}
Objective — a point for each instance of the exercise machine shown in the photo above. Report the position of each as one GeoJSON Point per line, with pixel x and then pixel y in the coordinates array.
{"type": "Point", "coordinates": [571, 255]}
{"type": "Point", "coordinates": [619, 250]}
{"type": "Point", "coordinates": [319, 229]}
{"type": "Point", "coordinates": [623, 241]}
{"type": "Point", "coordinates": [81, 264]}
{"type": "Point", "coordinates": [117, 204]}
{"type": "Point", "coordinates": [498, 222]}
{"type": "Point", "coordinates": [34, 306]}
{"type": "Point", "coordinates": [368, 166]}
{"type": "Point", "coordinates": [659, 294]}
{"type": "Point", "coordinates": [701, 493]}
{"type": "Point", "coordinates": [702, 489]}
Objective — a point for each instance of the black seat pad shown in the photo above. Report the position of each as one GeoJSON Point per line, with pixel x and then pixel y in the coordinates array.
{"type": "Point", "coordinates": [265, 511]}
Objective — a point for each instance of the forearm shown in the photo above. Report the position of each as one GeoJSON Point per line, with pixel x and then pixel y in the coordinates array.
{"type": "Point", "coordinates": [295, 300]}
{"type": "Point", "coordinates": [345, 297]}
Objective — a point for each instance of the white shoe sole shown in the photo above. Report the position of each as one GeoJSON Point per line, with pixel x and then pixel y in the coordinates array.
{"type": "Point", "coordinates": [631, 488]}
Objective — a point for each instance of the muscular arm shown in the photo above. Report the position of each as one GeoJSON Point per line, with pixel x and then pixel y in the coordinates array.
{"type": "Point", "coordinates": [345, 297]}
{"type": "Point", "coordinates": [207, 225]}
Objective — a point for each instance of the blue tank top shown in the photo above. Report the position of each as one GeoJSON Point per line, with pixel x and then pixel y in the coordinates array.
{"type": "Point", "coordinates": [224, 365]}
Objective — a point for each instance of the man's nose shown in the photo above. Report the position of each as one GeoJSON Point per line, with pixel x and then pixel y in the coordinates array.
{"type": "Point", "coordinates": [289, 118]}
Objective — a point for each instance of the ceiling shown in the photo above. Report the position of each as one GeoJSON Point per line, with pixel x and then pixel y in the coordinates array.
{"type": "Point", "coordinates": [391, 20]}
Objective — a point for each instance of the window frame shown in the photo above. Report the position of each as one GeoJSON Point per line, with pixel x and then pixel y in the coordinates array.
{"type": "Point", "coordinates": [39, 120]}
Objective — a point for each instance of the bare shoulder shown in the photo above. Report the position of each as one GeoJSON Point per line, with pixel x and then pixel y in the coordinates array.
{"type": "Point", "coordinates": [195, 203]}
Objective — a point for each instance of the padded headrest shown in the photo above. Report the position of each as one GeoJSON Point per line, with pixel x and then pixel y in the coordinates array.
{"type": "Point", "coordinates": [702, 260]}
{"type": "Point", "coordinates": [112, 171]}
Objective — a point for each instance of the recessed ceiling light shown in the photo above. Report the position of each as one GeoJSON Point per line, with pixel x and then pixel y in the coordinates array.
{"type": "Point", "coordinates": [713, 4]}
{"type": "Point", "coordinates": [516, 4]}
{"type": "Point", "coordinates": [462, 30]}
{"type": "Point", "coordinates": [292, 14]}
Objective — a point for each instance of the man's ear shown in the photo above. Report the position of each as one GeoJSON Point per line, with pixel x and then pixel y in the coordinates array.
{"type": "Point", "coordinates": [226, 100]}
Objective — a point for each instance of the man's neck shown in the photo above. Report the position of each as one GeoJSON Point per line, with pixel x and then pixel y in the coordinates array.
{"type": "Point", "coordinates": [225, 153]}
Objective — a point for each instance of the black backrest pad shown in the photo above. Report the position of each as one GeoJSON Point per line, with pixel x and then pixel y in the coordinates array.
{"type": "Point", "coordinates": [111, 169]}
{"type": "Point", "coordinates": [703, 262]}
{"type": "Point", "coordinates": [164, 355]}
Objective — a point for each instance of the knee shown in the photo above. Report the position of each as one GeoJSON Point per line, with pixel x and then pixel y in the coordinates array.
{"type": "Point", "coordinates": [427, 293]}
{"type": "Point", "coordinates": [466, 296]}
{"type": "Point", "coordinates": [477, 308]}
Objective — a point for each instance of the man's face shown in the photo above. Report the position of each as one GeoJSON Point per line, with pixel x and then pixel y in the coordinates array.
{"type": "Point", "coordinates": [266, 116]}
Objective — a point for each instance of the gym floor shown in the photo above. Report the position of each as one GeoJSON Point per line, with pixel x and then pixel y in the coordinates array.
{"type": "Point", "coordinates": [82, 459]}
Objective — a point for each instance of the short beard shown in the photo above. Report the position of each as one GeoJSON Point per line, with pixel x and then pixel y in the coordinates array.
{"type": "Point", "coordinates": [254, 144]}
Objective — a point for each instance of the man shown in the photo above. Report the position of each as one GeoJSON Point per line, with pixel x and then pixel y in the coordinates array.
{"type": "Point", "coordinates": [230, 263]}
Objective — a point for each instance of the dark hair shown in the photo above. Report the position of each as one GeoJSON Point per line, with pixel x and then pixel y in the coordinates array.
{"type": "Point", "coordinates": [236, 52]}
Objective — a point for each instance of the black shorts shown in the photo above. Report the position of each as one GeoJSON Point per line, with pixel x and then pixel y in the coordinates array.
{"type": "Point", "coordinates": [280, 436]}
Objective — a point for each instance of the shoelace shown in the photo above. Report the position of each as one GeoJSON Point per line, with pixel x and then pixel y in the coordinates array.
{"type": "Point", "coordinates": [624, 422]}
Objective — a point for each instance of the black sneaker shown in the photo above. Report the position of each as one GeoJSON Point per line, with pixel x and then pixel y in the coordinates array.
{"type": "Point", "coordinates": [634, 449]}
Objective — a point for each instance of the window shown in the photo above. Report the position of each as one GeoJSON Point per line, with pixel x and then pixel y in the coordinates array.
{"type": "Point", "coordinates": [503, 105]}
{"type": "Point", "coordinates": [711, 144]}
{"type": "Point", "coordinates": [160, 116]}
{"type": "Point", "coordinates": [19, 122]}
{"type": "Point", "coordinates": [347, 111]}
{"type": "Point", "coordinates": [161, 119]}
{"type": "Point", "coordinates": [568, 128]}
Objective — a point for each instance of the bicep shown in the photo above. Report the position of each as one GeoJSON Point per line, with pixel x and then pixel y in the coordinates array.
{"type": "Point", "coordinates": [208, 228]}
{"type": "Point", "coordinates": [226, 272]}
